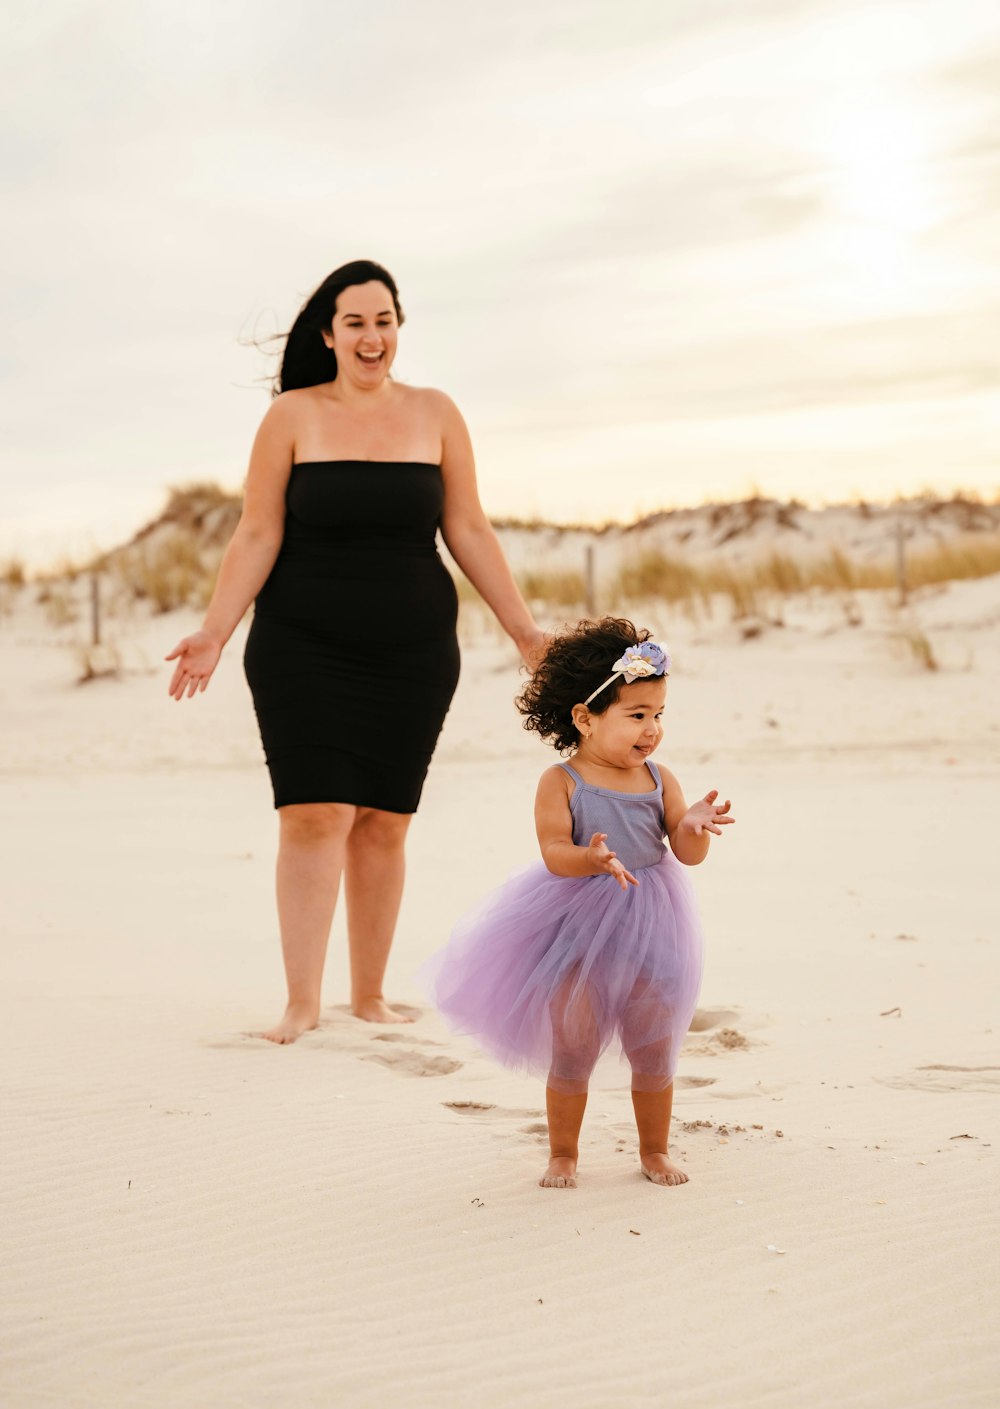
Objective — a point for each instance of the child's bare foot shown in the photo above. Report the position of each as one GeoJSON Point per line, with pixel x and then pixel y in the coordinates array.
{"type": "Point", "coordinates": [659, 1170]}
{"type": "Point", "coordinates": [377, 1010]}
{"type": "Point", "coordinates": [561, 1173]}
{"type": "Point", "coordinates": [297, 1020]}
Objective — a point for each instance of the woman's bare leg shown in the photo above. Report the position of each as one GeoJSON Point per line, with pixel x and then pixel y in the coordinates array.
{"type": "Point", "coordinates": [311, 854]}
{"type": "Point", "coordinates": [373, 884]}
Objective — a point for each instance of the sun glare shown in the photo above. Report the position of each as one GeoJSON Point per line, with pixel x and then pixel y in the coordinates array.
{"type": "Point", "coordinates": [879, 180]}
{"type": "Point", "coordinates": [878, 161]}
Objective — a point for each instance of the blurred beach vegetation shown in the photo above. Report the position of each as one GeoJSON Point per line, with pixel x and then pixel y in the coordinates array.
{"type": "Point", "coordinates": [737, 561]}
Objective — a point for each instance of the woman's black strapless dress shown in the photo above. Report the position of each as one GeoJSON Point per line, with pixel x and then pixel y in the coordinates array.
{"type": "Point", "coordinates": [352, 658]}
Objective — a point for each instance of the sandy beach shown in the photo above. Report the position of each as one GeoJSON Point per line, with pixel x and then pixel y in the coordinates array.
{"type": "Point", "coordinates": [196, 1217]}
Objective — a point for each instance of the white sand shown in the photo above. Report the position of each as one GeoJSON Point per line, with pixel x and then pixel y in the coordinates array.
{"type": "Point", "coordinates": [194, 1217]}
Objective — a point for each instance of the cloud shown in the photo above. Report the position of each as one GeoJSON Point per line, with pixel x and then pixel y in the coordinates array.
{"type": "Point", "coordinates": [597, 216]}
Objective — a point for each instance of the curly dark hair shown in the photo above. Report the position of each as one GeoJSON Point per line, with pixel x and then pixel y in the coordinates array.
{"type": "Point", "coordinates": [573, 666]}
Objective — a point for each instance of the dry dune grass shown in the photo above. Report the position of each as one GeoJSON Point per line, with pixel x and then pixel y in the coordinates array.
{"type": "Point", "coordinates": [751, 588]}
{"type": "Point", "coordinates": [173, 561]}
{"type": "Point", "coordinates": [919, 646]}
{"type": "Point", "coordinates": [557, 589]}
{"type": "Point", "coordinates": [13, 572]}
{"type": "Point", "coordinates": [964, 557]}
{"type": "Point", "coordinates": [170, 573]}
{"type": "Point", "coordinates": [13, 578]}
{"type": "Point", "coordinates": [179, 570]}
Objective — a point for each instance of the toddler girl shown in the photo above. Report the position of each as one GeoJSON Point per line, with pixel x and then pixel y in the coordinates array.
{"type": "Point", "coordinates": [603, 938]}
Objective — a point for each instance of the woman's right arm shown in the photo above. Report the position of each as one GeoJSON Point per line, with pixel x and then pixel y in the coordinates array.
{"type": "Point", "coordinates": [250, 555]}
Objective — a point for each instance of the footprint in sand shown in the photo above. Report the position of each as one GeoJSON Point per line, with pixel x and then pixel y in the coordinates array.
{"type": "Point", "coordinates": [480, 1108]}
{"type": "Point", "coordinates": [706, 1018]}
{"type": "Point", "coordinates": [713, 1044]}
{"type": "Point", "coordinates": [538, 1129]}
{"type": "Point", "coordinates": [405, 1037]}
{"type": "Point", "coordinates": [725, 1131]}
{"type": "Point", "coordinates": [719, 1034]}
{"type": "Point", "coordinates": [942, 1076]}
{"type": "Point", "coordinates": [687, 1082]}
{"type": "Point", "coordinates": [730, 1039]}
{"type": "Point", "coordinates": [239, 1040]}
{"type": "Point", "coordinates": [413, 1063]}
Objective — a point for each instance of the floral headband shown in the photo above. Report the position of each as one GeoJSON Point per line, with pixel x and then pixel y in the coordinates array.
{"type": "Point", "coordinates": [637, 663]}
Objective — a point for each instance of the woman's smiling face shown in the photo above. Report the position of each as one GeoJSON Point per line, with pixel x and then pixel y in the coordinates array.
{"type": "Point", "coordinates": [363, 333]}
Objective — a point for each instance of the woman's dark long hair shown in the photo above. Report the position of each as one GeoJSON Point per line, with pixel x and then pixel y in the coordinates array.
{"type": "Point", "coordinates": [307, 360]}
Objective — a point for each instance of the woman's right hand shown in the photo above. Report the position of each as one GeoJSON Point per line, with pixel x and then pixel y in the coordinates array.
{"type": "Point", "coordinates": [607, 861]}
{"type": "Point", "coordinates": [533, 647]}
{"type": "Point", "coordinates": [196, 656]}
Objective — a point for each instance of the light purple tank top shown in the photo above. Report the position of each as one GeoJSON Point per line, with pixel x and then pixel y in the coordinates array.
{"type": "Point", "coordinates": [633, 821]}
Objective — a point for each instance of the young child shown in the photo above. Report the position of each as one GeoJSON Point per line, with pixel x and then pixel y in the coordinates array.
{"type": "Point", "coordinates": [604, 937]}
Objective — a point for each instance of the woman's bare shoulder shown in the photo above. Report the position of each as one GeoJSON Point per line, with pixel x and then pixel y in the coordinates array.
{"type": "Point", "coordinates": [301, 398]}
{"type": "Point", "coordinates": [431, 401]}
{"type": "Point", "coordinates": [289, 407]}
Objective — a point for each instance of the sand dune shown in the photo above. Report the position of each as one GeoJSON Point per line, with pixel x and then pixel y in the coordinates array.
{"type": "Point", "coordinates": [194, 1217]}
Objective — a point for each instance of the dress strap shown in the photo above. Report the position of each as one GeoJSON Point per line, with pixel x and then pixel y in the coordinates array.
{"type": "Point", "coordinates": [572, 772]}
{"type": "Point", "coordinates": [654, 771]}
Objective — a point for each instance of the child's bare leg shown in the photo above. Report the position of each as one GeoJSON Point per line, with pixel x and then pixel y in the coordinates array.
{"type": "Point", "coordinates": [565, 1115]}
{"type": "Point", "coordinates": [652, 1119]}
{"type": "Point", "coordinates": [652, 1091]}
{"type": "Point", "coordinates": [576, 1044]}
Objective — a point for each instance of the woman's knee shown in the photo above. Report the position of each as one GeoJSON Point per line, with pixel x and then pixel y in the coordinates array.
{"type": "Point", "coordinates": [380, 829]}
{"type": "Point", "coordinates": [313, 823]}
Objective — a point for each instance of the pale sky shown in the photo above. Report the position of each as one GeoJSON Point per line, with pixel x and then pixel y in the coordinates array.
{"type": "Point", "coordinates": [657, 250]}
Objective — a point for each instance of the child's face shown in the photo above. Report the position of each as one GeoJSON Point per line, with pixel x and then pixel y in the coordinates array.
{"type": "Point", "coordinates": [630, 730]}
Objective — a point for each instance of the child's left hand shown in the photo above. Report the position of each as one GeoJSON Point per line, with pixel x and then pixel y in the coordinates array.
{"type": "Point", "coordinates": [706, 815]}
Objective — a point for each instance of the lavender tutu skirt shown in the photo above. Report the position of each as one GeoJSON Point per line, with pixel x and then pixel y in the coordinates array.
{"type": "Point", "coordinates": [547, 970]}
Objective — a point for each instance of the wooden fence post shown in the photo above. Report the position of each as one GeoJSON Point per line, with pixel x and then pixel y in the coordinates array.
{"type": "Point", "coordinates": [95, 609]}
{"type": "Point", "coordinates": [901, 562]}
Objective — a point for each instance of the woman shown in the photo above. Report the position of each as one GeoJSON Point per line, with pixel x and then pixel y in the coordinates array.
{"type": "Point", "coordinates": [352, 658]}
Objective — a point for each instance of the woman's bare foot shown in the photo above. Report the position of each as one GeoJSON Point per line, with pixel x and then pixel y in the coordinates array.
{"type": "Point", "coordinates": [377, 1010]}
{"type": "Point", "coordinates": [561, 1173]}
{"type": "Point", "coordinates": [297, 1020]}
{"type": "Point", "coordinates": [659, 1170]}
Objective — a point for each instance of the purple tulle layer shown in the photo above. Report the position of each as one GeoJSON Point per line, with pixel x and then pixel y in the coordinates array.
{"type": "Point", "coordinates": [547, 971]}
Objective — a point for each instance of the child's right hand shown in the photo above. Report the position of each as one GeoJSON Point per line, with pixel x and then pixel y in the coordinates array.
{"type": "Point", "coordinates": [604, 860]}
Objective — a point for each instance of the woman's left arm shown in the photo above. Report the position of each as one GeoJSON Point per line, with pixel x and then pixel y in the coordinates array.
{"type": "Point", "coordinates": [471, 539]}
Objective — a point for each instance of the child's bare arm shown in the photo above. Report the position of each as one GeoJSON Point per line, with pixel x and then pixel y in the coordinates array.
{"type": "Point", "coordinates": [688, 828]}
{"type": "Point", "coordinates": [554, 825]}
